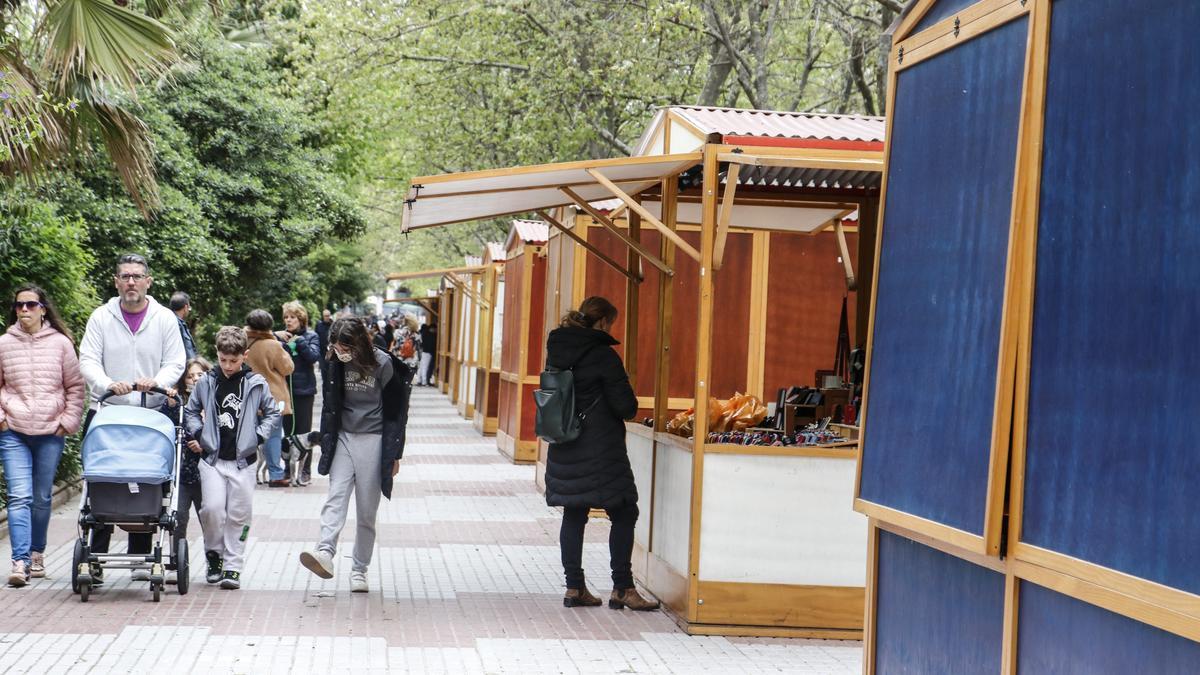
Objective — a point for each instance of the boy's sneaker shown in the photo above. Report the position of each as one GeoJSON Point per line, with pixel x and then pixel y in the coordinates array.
{"type": "Point", "coordinates": [231, 580]}
{"type": "Point", "coordinates": [319, 563]}
{"type": "Point", "coordinates": [20, 574]}
{"type": "Point", "coordinates": [97, 574]}
{"type": "Point", "coordinates": [358, 582]}
{"type": "Point", "coordinates": [37, 566]}
{"type": "Point", "coordinates": [213, 575]}
{"type": "Point", "coordinates": [140, 575]}
{"type": "Point", "coordinates": [172, 577]}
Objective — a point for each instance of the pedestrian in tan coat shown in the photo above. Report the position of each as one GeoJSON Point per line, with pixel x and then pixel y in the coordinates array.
{"type": "Point", "coordinates": [267, 358]}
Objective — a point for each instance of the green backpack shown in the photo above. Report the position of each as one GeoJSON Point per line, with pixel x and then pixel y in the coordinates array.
{"type": "Point", "coordinates": [556, 420]}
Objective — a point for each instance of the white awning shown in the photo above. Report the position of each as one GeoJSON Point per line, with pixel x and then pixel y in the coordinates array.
{"type": "Point", "coordinates": [475, 195]}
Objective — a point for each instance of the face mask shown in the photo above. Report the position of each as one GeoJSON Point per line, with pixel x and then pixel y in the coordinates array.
{"type": "Point", "coordinates": [345, 357]}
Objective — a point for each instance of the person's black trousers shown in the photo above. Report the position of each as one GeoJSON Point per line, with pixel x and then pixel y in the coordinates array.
{"type": "Point", "coordinates": [620, 544]}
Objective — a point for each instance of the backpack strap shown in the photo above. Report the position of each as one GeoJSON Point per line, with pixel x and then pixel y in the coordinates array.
{"type": "Point", "coordinates": [583, 415]}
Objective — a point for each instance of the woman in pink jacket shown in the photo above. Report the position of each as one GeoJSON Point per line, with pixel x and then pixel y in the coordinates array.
{"type": "Point", "coordinates": [41, 401]}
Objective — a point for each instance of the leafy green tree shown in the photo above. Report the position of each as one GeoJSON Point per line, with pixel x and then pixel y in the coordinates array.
{"type": "Point", "coordinates": [69, 70]}
{"type": "Point", "coordinates": [39, 245]}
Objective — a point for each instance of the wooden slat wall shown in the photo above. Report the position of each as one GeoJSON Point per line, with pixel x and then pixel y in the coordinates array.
{"type": "Point", "coordinates": [804, 303]}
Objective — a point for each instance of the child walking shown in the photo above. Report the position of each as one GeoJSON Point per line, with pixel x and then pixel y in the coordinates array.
{"type": "Point", "coordinates": [189, 464]}
{"type": "Point", "coordinates": [230, 413]}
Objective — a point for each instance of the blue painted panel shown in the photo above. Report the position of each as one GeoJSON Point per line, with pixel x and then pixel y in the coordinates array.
{"type": "Point", "coordinates": [1113, 469]}
{"type": "Point", "coordinates": [1059, 634]}
{"type": "Point", "coordinates": [940, 11]}
{"type": "Point", "coordinates": [935, 613]}
{"type": "Point", "coordinates": [941, 280]}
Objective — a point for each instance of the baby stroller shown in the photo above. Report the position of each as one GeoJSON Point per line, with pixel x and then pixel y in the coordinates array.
{"type": "Point", "coordinates": [131, 480]}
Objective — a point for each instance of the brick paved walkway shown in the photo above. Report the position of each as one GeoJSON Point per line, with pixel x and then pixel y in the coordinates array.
{"type": "Point", "coordinates": [465, 579]}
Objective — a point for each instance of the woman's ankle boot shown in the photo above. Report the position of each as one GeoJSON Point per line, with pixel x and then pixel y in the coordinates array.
{"type": "Point", "coordinates": [629, 597]}
{"type": "Point", "coordinates": [580, 597]}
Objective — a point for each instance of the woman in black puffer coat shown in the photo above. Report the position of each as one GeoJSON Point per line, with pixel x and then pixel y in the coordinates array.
{"type": "Point", "coordinates": [593, 470]}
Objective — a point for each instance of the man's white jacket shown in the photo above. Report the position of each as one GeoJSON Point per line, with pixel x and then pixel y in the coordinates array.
{"type": "Point", "coordinates": [110, 352]}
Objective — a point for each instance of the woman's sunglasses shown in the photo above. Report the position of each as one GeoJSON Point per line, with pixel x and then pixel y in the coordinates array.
{"type": "Point", "coordinates": [26, 304]}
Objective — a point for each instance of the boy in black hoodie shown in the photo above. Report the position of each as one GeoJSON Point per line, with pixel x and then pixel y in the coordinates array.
{"type": "Point", "coordinates": [239, 414]}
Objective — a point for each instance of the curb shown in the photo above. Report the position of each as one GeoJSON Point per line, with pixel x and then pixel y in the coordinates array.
{"type": "Point", "coordinates": [63, 492]}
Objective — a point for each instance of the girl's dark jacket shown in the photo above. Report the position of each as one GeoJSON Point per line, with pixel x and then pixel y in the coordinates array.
{"type": "Point", "coordinates": [395, 418]}
{"type": "Point", "coordinates": [593, 470]}
{"type": "Point", "coordinates": [307, 351]}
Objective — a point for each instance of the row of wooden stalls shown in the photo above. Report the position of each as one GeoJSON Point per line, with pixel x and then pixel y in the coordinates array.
{"type": "Point", "coordinates": [737, 247]}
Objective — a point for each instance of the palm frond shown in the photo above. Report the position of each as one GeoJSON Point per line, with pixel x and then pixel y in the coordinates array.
{"type": "Point", "coordinates": [98, 41]}
{"type": "Point", "coordinates": [31, 132]}
{"type": "Point", "coordinates": [127, 140]}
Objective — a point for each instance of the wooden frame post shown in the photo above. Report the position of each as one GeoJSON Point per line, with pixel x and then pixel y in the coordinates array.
{"type": "Point", "coordinates": [666, 299]}
{"type": "Point", "coordinates": [708, 233]}
{"type": "Point", "coordinates": [631, 303]}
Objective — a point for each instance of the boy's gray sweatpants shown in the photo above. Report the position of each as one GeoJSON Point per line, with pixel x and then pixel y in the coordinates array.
{"type": "Point", "coordinates": [355, 469]}
{"type": "Point", "coordinates": [226, 505]}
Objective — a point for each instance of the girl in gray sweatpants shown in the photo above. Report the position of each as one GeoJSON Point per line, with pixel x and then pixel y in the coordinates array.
{"type": "Point", "coordinates": [362, 437]}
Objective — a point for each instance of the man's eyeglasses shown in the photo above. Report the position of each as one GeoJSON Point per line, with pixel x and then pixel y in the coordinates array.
{"type": "Point", "coordinates": [26, 304]}
{"type": "Point", "coordinates": [132, 277]}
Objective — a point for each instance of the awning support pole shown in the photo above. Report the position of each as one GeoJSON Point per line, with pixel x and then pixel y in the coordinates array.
{"type": "Point", "coordinates": [731, 181]}
{"type": "Point", "coordinates": [608, 224]}
{"type": "Point", "coordinates": [851, 282]}
{"type": "Point", "coordinates": [589, 246]}
{"type": "Point", "coordinates": [645, 214]}
{"type": "Point", "coordinates": [434, 273]}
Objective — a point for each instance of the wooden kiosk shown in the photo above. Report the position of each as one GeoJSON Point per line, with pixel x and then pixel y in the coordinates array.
{"type": "Point", "coordinates": [490, 337]}
{"type": "Point", "coordinates": [1028, 343]}
{"type": "Point", "coordinates": [741, 540]}
{"type": "Point", "coordinates": [523, 339]}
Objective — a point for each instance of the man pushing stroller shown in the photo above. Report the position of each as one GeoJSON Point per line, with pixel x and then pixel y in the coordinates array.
{"type": "Point", "coordinates": [230, 413]}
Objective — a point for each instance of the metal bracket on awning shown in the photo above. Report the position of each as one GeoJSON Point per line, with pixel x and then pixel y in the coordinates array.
{"type": "Point", "coordinates": [645, 214]}
{"type": "Point", "coordinates": [635, 277]}
{"type": "Point", "coordinates": [616, 231]}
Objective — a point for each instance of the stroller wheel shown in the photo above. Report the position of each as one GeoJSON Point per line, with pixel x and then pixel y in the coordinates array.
{"type": "Point", "coordinates": [181, 566]}
{"type": "Point", "coordinates": [77, 559]}
{"type": "Point", "coordinates": [85, 589]}
{"type": "Point", "coordinates": [156, 590]}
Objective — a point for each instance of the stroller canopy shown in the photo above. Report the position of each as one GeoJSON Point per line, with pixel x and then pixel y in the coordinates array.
{"type": "Point", "coordinates": [128, 444]}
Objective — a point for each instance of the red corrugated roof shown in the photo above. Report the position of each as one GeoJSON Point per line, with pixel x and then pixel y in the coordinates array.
{"type": "Point", "coordinates": [496, 252]}
{"type": "Point", "coordinates": [530, 232]}
{"type": "Point", "coordinates": [777, 124]}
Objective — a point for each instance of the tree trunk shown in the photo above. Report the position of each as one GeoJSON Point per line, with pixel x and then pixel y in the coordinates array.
{"type": "Point", "coordinates": [719, 65]}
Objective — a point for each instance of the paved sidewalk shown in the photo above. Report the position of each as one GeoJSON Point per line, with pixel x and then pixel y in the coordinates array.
{"type": "Point", "coordinates": [465, 579]}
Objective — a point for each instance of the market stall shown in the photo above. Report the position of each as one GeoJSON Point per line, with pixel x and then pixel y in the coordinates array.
{"type": "Point", "coordinates": [489, 324]}
{"type": "Point", "coordinates": [464, 342]}
{"type": "Point", "coordinates": [1029, 320]}
{"type": "Point", "coordinates": [523, 340]}
{"type": "Point", "coordinates": [709, 539]}
{"type": "Point", "coordinates": [771, 306]}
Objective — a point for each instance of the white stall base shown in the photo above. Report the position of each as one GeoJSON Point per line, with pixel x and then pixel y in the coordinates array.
{"type": "Point", "coordinates": [792, 516]}
{"type": "Point", "coordinates": [672, 505]}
